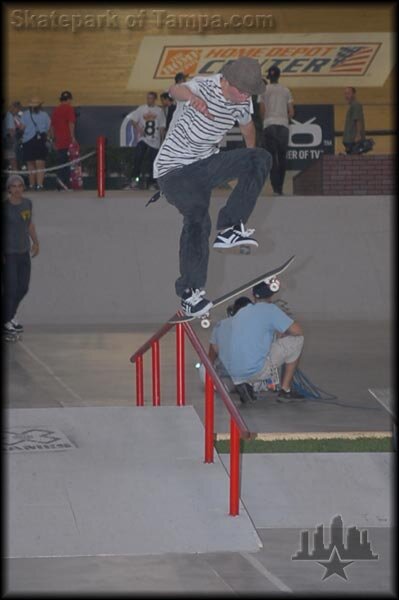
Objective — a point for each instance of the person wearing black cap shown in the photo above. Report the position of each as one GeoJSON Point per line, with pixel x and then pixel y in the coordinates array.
{"type": "Point", "coordinates": [63, 121]}
{"type": "Point", "coordinates": [259, 338]}
{"type": "Point", "coordinates": [189, 165]}
{"type": "Point", "coordinates": [276, 109]}
{"type": "Point", "coordinates": [181, 77]}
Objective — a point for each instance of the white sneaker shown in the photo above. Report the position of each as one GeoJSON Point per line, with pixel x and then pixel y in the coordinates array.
{"type": "Point", "coordinates": [235, 236]}
{"type": "Point", "coordinates": [194, 304]}
{"type": "Point", "coordinates": [9, 327]}
{"type": "Point", "coordinates": [17, 326]}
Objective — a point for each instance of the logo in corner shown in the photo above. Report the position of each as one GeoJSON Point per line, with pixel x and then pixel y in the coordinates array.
{"type": "Point", "coordinates": [340, 553]}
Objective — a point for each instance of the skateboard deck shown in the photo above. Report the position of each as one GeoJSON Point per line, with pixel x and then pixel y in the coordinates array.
{"type": "Point", "coordinates": [268, 277]}
{"type": "Point", "coordinates": [75, 177]}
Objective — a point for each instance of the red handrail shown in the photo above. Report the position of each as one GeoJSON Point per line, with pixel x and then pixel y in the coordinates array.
{"type": "Point", "coordinates": [157, 336]}
{"type": "Point", "coordinates": [101, 166]}
{"type": "Point", "coordinates": [180, 366]}
{"type": "Point", "coordinates": [238, 427]}
{"type": "Point", "coordinates": [156, 375]}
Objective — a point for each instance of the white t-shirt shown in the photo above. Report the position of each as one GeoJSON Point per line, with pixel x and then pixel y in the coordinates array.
{"type": "Point", "coordinates": [151, 119]}
{"type": "Point", "coordinates": [276, 99]}
{"type": "Point", "coordinates": [193, 136]}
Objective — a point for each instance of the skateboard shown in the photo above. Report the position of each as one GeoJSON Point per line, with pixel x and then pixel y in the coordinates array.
{"type": "Point", "coordinates": [270, 277]}
{"type": "Point", "coordinates": [76, 168]}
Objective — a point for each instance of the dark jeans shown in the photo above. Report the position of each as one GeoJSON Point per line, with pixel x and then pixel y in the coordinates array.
{"type": "Point", "coordinates": [189, 190]}
{"type": "Point", "coordinates": [143, 161]}
{"type": "Point", "coordinates": [275, 140]}
{"type": "Point", "coordinates": [16, 277]}
{"type": "Point", "coordinates": [65, 172]}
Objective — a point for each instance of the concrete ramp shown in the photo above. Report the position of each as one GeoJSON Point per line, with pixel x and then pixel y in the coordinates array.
{"type": "Point", "coordinates": [116, 481]}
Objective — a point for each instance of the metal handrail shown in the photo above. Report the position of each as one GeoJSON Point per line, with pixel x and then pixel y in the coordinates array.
{"type": "Point", "coordinates": [198, 347]}
{"type": "Point", "coordinates": [238, 427]}
{"type": "Point", "coordinates": [157, 336]}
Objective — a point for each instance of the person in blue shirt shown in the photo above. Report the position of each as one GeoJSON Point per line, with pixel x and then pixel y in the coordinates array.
{"type": "Point", "coordinates": [258, 338]}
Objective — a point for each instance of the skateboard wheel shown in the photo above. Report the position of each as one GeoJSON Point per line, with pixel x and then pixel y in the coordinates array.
{"type": "Point", "coordinates": [245, 250]}
{"type": "Point", "coordinates": [274, 286]}
{"type": "Point", "coordinates": [205, 323]}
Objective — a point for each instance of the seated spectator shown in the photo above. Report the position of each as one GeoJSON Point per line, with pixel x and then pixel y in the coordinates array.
{"type": "Point", "coordinates": [257, 339]}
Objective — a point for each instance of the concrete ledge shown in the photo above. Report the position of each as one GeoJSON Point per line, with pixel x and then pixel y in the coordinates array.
{"type": "Point", "coordinates": [312, 435]}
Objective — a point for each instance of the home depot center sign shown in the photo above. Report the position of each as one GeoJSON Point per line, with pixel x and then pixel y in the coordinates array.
{"type": "Point", "coordinates": [304, 59]}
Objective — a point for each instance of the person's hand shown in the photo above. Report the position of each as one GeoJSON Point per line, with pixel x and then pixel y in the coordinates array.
{"type": "Point", "coordinates": [34, 249]}
{"type": "Point", "coordinates": [200, 105]}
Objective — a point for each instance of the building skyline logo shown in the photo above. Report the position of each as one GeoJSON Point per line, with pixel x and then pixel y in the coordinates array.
{"type": "Point", "coordinates": [341, 551]}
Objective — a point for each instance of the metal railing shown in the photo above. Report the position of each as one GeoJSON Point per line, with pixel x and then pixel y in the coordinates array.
{"type": "Point", "coordinates": [238, 427]}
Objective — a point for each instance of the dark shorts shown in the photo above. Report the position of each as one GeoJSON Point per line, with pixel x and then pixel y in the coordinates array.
{"type": "Point", "coordinates": [34, 149]}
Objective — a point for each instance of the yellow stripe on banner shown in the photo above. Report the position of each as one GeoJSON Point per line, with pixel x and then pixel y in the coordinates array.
{"type": "Point", "coordinates": [309, 435]}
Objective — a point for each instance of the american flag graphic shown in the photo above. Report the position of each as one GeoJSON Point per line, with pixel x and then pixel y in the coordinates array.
{"type": "Point", "coordinates": [352, 59]}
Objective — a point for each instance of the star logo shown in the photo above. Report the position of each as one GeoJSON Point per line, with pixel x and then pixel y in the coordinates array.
{"type": "Point", "coordinates": [334, 565]}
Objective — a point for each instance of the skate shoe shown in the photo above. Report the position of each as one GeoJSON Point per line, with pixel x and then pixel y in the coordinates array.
{"type": "Point", "coordinates": [245, 392]}
{"type": "Point", "coordinates": [17, 326]}
{"type": "Point", "coordinates": [194, 304]}
{"type": "Point", "coordinates": [235, 236]}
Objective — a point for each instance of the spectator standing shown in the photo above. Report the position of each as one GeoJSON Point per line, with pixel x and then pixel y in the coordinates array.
{"type": "Point", "coordinates": [19, 232]}
{"type": "Point", "coordinates": [169, 106]}
{"type": "Point", "coordinates": [149, 120]}
{"type": "Point", "coordinates": [354, 130]}
{"type": "Point", "coordinates": [12, 134]}
{"type": "Point", "coordinates": [63, 121]}
{"type": "Point", "coordinates": [36, 124]}
{"type": "Point", "coordinates": [276, 109]}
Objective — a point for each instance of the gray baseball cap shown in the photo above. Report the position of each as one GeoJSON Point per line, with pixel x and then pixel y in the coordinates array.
{"type": "Point", "coordinates": [245, 74]}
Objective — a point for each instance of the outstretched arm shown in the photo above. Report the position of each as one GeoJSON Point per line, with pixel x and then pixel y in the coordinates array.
{"type": "Point", "coordinates": [182, 92]}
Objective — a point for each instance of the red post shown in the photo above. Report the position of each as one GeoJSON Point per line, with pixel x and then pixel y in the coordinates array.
{"type": "Point", "coordinates": [234, 468]}
{"type": "Point", "coordinates": [209, 418]}
{"type": "Point", "coordinates": [101, 166]}
{"type": "Point", "coordinates": [180, 366]}
{"type": "Point", "coordinates": [139, 381]}
{"type": "Point", "coordinates": [156, 377]}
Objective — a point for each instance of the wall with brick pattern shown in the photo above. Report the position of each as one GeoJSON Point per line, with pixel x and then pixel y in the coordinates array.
{"type": "Point", "coordinates": [336, 175]}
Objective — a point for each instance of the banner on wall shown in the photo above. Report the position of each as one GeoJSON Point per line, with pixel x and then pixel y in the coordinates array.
{"type": "Point", "coordinates": [305, 60]}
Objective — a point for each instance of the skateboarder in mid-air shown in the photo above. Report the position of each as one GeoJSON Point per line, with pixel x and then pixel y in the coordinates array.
{"type": "Point", "coordinates": [189, 165]}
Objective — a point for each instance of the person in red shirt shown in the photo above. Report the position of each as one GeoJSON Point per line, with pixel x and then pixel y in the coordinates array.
{"type": "Point", "coordinates": [62, 130]}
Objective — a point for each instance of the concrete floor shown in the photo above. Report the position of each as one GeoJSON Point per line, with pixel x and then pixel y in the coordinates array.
{"type": "Point", "coordinates": [89, 366]}
{"type": "Point", "coordinates": [269, 572]}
